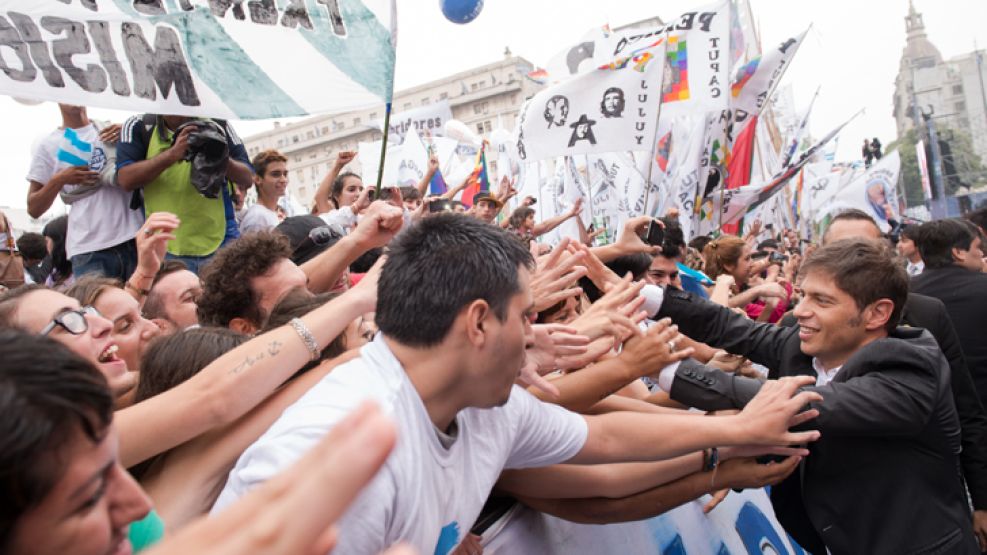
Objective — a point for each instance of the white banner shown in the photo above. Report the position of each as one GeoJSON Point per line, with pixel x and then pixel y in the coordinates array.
{"type": "Point", "coordinates": [874, 192]}
{"type": "Point", "coordinates": [744, 522]}
{"type": "Point", "coordinates": [612, 108]}
{"type": "Point", "coordinates": [233, 60]}
{"type": "Point", "coordinates": [754, 81]}
{"type": "Point", "coordinates": [429, 120]}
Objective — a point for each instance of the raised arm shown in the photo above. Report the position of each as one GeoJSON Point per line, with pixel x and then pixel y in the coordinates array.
{"type": "Point", "coordinates": [322, 203]}
{"type": "Point", "coordinates": [433, 166]}
{"type": "Point", "coordinates": [377, 227]}
{"type": "Point", "coordinates": [624, 436]}
{"type": "Point", "coordinates": [235, 382]}
{"type": "Point", "coordinates": [548, 225]}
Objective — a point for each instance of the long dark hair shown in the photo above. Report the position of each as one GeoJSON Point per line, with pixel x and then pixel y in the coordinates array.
{"type": "Point", "coordinates": [337, 187]}
{"type": "Point", "coordinates": [56, 230]}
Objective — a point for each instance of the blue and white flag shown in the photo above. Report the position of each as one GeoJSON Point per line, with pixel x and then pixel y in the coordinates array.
{"type": "Point", "coordinates": [233, 60]}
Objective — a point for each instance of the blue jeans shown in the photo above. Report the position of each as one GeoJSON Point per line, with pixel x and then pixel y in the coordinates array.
{"type": "Point", "coordinates": [118, 261]}
{"type": "Point", "coordinates": [194, 263]}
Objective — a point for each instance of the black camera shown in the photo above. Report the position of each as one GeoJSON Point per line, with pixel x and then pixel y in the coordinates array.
{"type": "Point", "coordinates": [655, 235]}
{"type": "Point", "coordinates": [777, 257]}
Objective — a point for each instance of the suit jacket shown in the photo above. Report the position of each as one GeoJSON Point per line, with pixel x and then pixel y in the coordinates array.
{"type": "Point", "coordinates": [930, 313]}
{"type": "Point", "coordinates": [890, 437]}
{"type": "Point", "coordinates": [964, 293]}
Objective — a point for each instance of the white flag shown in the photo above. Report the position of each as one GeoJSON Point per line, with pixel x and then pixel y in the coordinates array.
{"type": "Point", "coordinates": [875, 192]}
{"type": "Point", "coordinates": [754, 81]}
{"type": "Point", "coordinates": [610, 109]}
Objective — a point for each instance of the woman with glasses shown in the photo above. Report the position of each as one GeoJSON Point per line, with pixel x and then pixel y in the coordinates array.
{"type": "Point", "coordinates": [221, 393]}
{"type": "Point", "coordinates": [271, 181]}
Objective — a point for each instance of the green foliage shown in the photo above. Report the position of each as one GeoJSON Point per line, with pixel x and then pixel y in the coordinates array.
{"type": "Point", "coordinates": [969, 169]}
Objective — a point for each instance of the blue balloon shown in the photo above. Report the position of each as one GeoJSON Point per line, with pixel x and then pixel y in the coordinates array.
{"type": "Point", "coordinates": [461, 11]}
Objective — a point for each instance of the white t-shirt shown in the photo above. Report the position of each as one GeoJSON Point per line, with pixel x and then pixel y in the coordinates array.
{"type": "Point", "coordinates": [99, 221]}
{"type": "Point", "coordinates": [426, 494]}
{"type": "Point", "coordinates": [258, 218]}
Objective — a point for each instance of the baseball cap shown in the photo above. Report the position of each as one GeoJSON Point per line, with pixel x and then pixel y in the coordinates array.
{"type": "Point", "coordinates": [309, 235]}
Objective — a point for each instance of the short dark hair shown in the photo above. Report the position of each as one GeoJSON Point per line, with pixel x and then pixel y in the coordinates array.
{"type": "Point", "coordinates": [910, 232]}
{"type": "Point", "coordinates": [153, 304]}
{"type": "Point", "coordinates": [410, 193]}
{"type": "Point", "coordinates": [439, 266]}
{"type": "Point", "coordinates": [865, 270]}
{"type": "Point", "coordinates": [978, 217]}
{"type": "Point", "coordinates": [674, 243]}
{"type": "Point", "coordinates": [937, 239]}
{"type": "Point", "coordinates": [32, 246]}
{"type": "Point", "coordinates": [767, 244]}
{"type": "Point", "coordinates": [699, 243]}
{"type": "Point", "coordinates": [226, 291]}
{"type": "Point", "coordinates": [47, 392]}
{"type": "Point", "coordinates": [637, 264]}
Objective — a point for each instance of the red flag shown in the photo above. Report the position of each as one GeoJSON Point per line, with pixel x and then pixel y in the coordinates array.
{"type": "Point", "coordinates": [739, 168]}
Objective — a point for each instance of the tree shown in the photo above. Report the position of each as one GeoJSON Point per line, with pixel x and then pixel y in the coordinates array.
{"type": "Point", "coordinates": [962, 166]}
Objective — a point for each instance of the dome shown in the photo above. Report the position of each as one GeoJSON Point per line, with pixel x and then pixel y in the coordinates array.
{"type": "Point", "coordinates": [918, 49]}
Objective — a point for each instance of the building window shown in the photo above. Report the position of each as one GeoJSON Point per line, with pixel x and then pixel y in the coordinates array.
{"type": "Point", "coordinates": [325, 130]}
{"type": "Point", "coordinates": [298, 158]}
{"type": "Point", "coordinates": [294, 138]}
{"type": "Point", "coordinates": [426, 100]}
{"type": "Point", "coordinates": [486, 125]}
{"type": "Point", "coordinates": [481, 107]}
{"type": "Point", "coordinates": [356, 121]}
{"type": "Point", "coordinates": [483, 84]}
{"type": "Point", "coordinates": [280, 143]}
{"type": "Point", "coordinates": [479, 127]}
{"type": "Point", "coordinates": [961, 106]}
{"type": "Point", "coordinates": [474, 86]}
{"type": "Point", "coordinates": [373, 115]}
{"type": "Point", "coordinates": [407, 105]}
{"type": "Point", "coordinates": [312, 156]}
{"type": "Point", "coordinates": [957, 89]}
{"type": "Point", "coordinates": [310, 135]}
{"type": "Point", "coordinates": [443, 96]}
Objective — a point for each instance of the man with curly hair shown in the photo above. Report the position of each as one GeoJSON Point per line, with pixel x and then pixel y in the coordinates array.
{"type": "Point", "coordinates": [248, 277]}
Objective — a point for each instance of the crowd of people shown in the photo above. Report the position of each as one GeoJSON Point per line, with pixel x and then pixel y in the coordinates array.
{"type": "Point", "coordinates": [394, 371]}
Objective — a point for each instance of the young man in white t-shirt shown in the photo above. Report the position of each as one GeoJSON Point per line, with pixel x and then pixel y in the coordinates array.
{"type": "Point", "coordinates": [271, 182]}
{"type": "Point", "coordinates": [454, 309]}
{"type": "Point", "coordinates": [102, 225]}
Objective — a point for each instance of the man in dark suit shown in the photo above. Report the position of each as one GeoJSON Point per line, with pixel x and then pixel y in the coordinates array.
{"type": "Point", "coordinates": [884, 477]}
{"type": "Point", "coordinates": [930, 313]}
{"type": "Point", "coordinates": [953, 259]}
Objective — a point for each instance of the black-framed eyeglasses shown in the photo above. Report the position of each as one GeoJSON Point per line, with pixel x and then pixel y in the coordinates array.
{"type": "Point", "coordinates": [72, 321]}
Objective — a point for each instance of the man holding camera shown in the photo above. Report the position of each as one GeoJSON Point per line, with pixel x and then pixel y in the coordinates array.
{"type": "Point", "coordinates": [151, 157]}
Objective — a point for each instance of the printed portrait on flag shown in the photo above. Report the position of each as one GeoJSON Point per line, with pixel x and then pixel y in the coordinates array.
{"type": "Point", "coordinates": [610, 109]}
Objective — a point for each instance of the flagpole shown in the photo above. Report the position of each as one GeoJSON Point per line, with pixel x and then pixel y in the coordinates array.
{"type": "Point", "coordinates": [589, 190]}
{"type": "Point", "coordinates": [383, 148]}
{"type": "Point", "coordinates": [654, 141]}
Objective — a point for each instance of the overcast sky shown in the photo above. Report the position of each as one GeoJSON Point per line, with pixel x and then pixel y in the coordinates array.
{"type": "Point", "coordinates": [853, 52]}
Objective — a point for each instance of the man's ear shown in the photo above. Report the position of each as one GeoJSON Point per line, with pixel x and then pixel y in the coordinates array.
{"type": "Point", "coordinates": [166, 327]}
{"type": "Point", "coordinates": [877, 314]}
{"type": "Point", "coordinates": [477, 320]}
{"type": "Point", "coordinates": [960, 255]}
{"type": "Point", "coordinates": [242, 325]}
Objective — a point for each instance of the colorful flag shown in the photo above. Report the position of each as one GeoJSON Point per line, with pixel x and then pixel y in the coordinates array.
{"type": "Point", "coordinates": [755, 81]}
{"type": "Point", "coordinates": [479, 180]}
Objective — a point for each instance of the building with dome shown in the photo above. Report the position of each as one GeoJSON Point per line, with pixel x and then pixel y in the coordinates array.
{"type": "Point", "coordinates": [952, 90]}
